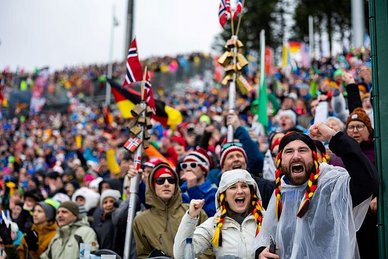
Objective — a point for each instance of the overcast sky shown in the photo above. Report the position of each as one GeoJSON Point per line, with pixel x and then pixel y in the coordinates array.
{"type": "Point", "coordinates": [75, 32]}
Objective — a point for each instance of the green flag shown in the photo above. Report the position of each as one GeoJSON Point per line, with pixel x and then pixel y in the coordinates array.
{"type": "Point", "coordinates": [263, 103]}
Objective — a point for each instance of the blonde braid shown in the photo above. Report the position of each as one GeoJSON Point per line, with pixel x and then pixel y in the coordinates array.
{"type": "Point", "coordinates": [257, 212]}
{"type": "Point", "coordinates": [278, 194]}
{"type": "Point", "coordinates": [217, 237]}
{"type": "Point", "coordinates": [312, 183]}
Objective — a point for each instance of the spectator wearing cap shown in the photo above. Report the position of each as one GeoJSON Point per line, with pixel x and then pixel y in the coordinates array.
{"type": "Point", "coordinates": [120, 215]}
{"type": "Point", "coordinates": [70, 234]}
{"type": "Point", "coordinates": [36, 241]}
{"type": "Point", "coordinates": [359, 127]}
{"type": "Point", "coordinates": [195, 168]}
{"type": "Point", "coordinates": [286, 119]}
{"type": "Point", "coordinates": [154, 229]}
{"type": "Point", "coordinates": [103, 225]}
{"type": "Point", "coordinates": [31, 198]}
{"type": "Point", "coordinates": [233, 156]}
{"type": "Point", "coordinates": [179, 145]}
{"type": "Point", "coordinates": [87, 201]}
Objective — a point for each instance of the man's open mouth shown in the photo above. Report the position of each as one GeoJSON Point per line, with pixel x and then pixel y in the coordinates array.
{"type": "Point", "coordinates": [297, 168]}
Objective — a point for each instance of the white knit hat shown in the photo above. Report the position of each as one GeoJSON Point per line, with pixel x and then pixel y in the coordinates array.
{"type": "Point", "coordinates": [288, 113]}
{"type": "Point", "coordinates": [228, 178]}
{"type": "Point", "coordinates": [115, 194]}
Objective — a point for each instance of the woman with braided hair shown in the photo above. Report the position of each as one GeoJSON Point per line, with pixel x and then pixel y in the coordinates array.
{"type": "Point", "coordinates": [317, 208]}
{"type": "Point", "coordinates": [231, 231]}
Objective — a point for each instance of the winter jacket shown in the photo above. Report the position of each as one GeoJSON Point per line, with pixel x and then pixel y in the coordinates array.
{"type": "Point", "coordinates": [237, 240]}
{"type": "Point", "coordinates": [342, 197]}
{"type": "Point", "coordinates": [66, 243]}
{"type": "Point", "coordinates": [206, 191]}
{"type": "Point", "coordinates": [155, 228]}
{"type": "Point", "coordinates": [255, 158]}
{"type": "Point", "coordinates": [105, 230]}
{"type": "Point", "coordinates": [45, 234]}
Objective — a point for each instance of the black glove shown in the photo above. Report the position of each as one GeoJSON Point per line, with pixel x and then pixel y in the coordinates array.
{"type": "Point", "coordinates": [5, 233]}
{"type": "Point", "coordinates": [31, 238]}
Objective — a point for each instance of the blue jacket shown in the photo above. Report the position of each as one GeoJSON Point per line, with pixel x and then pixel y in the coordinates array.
{"type": "Point", "coordinates": [255, 157]}
{"type": "Point", "coordinates": [206, 191]}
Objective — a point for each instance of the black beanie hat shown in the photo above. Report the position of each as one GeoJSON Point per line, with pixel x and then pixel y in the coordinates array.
{"type": "Point", "coordinates": [291, 136]}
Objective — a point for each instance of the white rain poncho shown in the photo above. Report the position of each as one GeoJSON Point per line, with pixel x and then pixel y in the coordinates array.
{"type": "Point", "coordinates": [327, 230]}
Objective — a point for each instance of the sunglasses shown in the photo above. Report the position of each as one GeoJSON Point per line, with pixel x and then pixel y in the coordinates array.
{"type": "Point", "coordinates": [162, 180]}
{"type": "Point", "coordinates": [230, 144]}
{"type": "Point", "coordinates": [190, 164]}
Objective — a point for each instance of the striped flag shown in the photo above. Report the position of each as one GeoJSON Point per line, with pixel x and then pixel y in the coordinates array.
{"type": "Point", "coordinates": [149, 95]}
{"type": "Point", "coordinates": [134, 71]}
{"type": "Point", "coordinates": [132, 143]}
{"type": "Point", "coordinates": [224, 12]}
{"type": "Point", "coordinates": [238, 10]}
{"type": "Point", "coordinates": [135, 74]}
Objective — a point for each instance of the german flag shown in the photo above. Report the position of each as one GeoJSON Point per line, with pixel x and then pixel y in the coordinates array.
{"type": "Point", "coordinates": [127, 98]}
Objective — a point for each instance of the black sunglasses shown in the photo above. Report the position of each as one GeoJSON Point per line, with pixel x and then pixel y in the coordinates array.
{"type": "Point", "coordinates": [162, 180]}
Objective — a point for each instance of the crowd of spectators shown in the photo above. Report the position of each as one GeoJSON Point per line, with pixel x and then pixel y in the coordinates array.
{"type": "Point", "coordinates": [67, 174]}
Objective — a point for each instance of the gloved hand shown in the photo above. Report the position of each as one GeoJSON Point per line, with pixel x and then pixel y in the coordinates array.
{"type": "Point", "coordinates": [5, 233]}
{"type": "Point", "coordinates": [31, 238]}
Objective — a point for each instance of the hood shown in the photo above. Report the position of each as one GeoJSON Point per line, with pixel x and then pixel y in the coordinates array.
{"type": "Point", "coordinates": [155, 201]}
{"type": "Point", "coordinates": [91, 197]}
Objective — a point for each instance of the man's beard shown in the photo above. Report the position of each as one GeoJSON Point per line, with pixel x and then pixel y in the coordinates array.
{"type": "Point", "coordinates": [300, 179]}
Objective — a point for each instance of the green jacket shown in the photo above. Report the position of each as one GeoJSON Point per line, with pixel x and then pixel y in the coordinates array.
{"type": "Point", "coordinates": [155, 228]}
{"type": "Point", "coordinates": [67, 241]}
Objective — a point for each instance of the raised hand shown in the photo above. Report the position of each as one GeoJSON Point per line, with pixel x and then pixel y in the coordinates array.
{"type": "Point", "coordinates": [132, 171]}
{"type": "Point", "coordinates": [196, 207]}
{"type": "Point", "coordinates": [190, 178]}
{"type": "Point", "coordinates": [322, 132]}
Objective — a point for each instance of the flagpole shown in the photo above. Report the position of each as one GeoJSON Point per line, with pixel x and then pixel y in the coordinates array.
{"type": "Point", "coordinates": [232, 90]}
{"type": "Point", "coordinates": [110, 60]}
{"type": "Point", "coordinates": [262, 58]}
{"type": "Point", "coordinates": [240, 17]}
{"type": "Point", "coordinates": [134, 187]}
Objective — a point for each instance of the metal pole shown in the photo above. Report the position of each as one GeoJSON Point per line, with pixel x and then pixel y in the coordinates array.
{"type": "Point", "coordinates": [110, 58]}
{"type": "Point", "coordinates": [378, 25]}
{"type": "Point", "coordinates": [262, 58]}
{"type": "Point", "coordinates": [129, 28]}
{"type": "Point", "coordinates": [358, 23]}
{"type": "Point", "coordinates": [311, 38]}
{"type": "Point", "coordinates": [134, 187]}
{"type": "Point", "coordinates": [232, 92]}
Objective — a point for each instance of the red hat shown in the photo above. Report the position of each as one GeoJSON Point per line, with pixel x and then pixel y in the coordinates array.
{"type": "Point", "coordinates": [231, 148]}
{"type": "Point", "coordinates": [162, 170]}
{"type": "Point", "coordinates": [180, 140]}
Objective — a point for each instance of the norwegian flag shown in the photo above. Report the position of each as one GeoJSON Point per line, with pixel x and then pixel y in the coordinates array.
{"type": "Point", "coordinates": [134, 70]}
{"type": "Point", "coordinates": [224, 12]}
{"type": "Point", "coordinates": [238, 9]}
{"type": "Point", "coordinates": [149, 95]}
{"type": "Point", "coordinates": [132, 143]}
